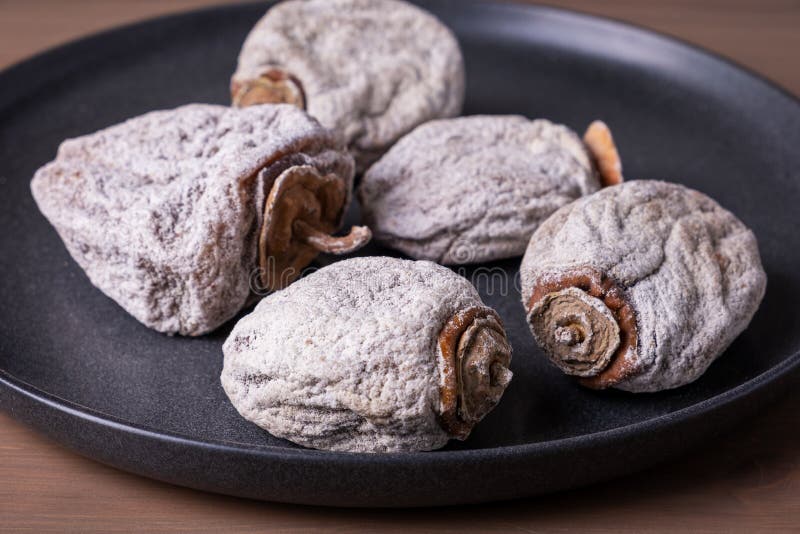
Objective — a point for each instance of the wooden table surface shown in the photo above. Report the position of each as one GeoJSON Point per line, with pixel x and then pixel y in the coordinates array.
{"type": "Point", "coordinates": [748, 480]}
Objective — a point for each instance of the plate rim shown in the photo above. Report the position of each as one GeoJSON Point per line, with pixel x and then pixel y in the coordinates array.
{"type": "Point", "coordinates": [52, 402]}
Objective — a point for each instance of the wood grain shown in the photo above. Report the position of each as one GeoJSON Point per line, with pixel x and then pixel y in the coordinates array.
{"type": "Point", "coordinates": [747, 481]}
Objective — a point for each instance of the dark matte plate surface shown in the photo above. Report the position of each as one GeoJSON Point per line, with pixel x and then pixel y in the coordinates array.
{"type": "Point", "coordinates": [76, 366]}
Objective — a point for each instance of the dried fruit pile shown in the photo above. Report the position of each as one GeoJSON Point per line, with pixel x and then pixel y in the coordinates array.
{"type": "Point", "coordinates": [186, 216]}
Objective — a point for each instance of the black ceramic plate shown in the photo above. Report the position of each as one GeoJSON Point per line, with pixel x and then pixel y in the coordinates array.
{"type": "Point", "coordinates": [76, 366]}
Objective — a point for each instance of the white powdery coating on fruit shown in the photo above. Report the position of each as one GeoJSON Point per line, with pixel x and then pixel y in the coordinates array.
{"type": "Point", "coordinates": [690, 269]}
{"type": "Point", "coordinates": [347, 358]}
{"type": "Point", "coordinates": [475, 188]}
{"type": "Point", "coordinates": [370, 69]}
{"type": "Point", "coordinates": [162, 211]}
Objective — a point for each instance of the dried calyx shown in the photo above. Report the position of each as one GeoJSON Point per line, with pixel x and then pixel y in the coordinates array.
{"type": "Point", "coordinates": [577, 330]}
{"type": "Point", "coordinates": [599, 141]}
{"type": "Point", "coordinates": [476, 356]}
{"type": "Point", "coordinates": [586, 326]}
{"type": "Point", "coordinates": [274, 86]}
{"type": "Point", "coordinates": [301, 213]}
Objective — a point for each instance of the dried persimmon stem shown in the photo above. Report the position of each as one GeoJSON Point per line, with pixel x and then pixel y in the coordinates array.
{"type": "Point", "coordinates": [272, 87]}
{"type": "Point", "coordinates": [601, 145]}
{"type": "Point", "coordinates": [357, 238]}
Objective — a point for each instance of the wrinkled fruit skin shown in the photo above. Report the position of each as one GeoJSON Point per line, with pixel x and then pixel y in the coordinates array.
{"type": "Point", "coordinates": [473, 189]}
{"type": "Point", "coordinates": [350, 358]}
{"type": "Point", "coordinates": [371, 70]}
{"type": "Point", "coordinates": [163, 211]}
{"type": "Point", "coordinates": [681, 276]}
